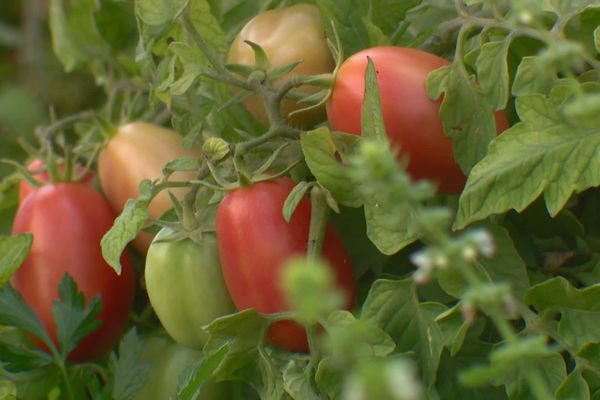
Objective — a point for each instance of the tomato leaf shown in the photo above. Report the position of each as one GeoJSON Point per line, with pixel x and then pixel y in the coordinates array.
{"type": "Point", "coordinates": [326, 155]}
{"type": "Point", "coordinates": [532, 79]}
{"type": "Point", "coordinates": [75, 36]}
{"type": "Point", "coordinates": [129, 371]}
{"type": "Point", "coordinates": [394, 306]}
{"type": "Point", "coordinates": [13, 251]}
{"type": "Point", "coordinates": [545, 153]}
{"type": "Point", "coordinates": [15, 312]}
{"type": "Point", "coordinates": [372, 126]}
{"type": "Point", "coordinates": [492, 72]}
{"type": "Point", "coordinates": [190, 384]}
{"type": "Point", "coordinates": [356, 21]}
{"type": "Point", "coordinates": [467, 115]}
{"type": "Point", "coordinates": [512, 364]}
{"type": "Point", "coordinates": [574, 387]}
{"type": "Point", "coordinates": [506, 266]}
{"type": "Point", "coordinates": [297, 382]}
{"type": "Point", "coordinates": [126, 227]}
{"type": "Point", "coordinates": [293, 199]}
{"type": "Point", "coordinates": [73, 318]}
{"type": "Point", "coordinates": [22, 359]}
{"type": "Point", "coordinates": [558, 293]}
{"type": "Point", "coordinates": [577, 327]}
{"type": "Point", "coordinates": [159, 12]}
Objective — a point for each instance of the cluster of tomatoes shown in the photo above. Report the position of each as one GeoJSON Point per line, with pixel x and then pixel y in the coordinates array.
{"type": "Point", "coordinates": [190, 284]}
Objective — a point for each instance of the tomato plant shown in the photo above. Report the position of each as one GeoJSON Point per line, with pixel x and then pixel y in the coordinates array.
{"type": "Point", "coordinates": [287, 35]}
{"type": "Point", "coordinates": [185, 286]}
{"type": "Point", "coordinates": [254, 243]}
{"type": "Point", "coordinates": [168, 361]}
{"type": "Point", "coordinates": [67, 221]}
{"type": "Point", "coordinates": [138, 151]}
{"type": "Point", "coordinates": [25, 188]}
{"type": "Point", "coordinates": [411, 118]}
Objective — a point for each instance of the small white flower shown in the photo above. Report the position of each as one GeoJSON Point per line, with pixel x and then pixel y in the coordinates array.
{"type": "Point", "coordinates": [485, 242]}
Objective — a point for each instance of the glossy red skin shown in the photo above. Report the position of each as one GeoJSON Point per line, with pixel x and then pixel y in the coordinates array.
{"type": "Point", "coordinates": [67, 221]}
{"type": "Point", "coordinates": [25, 188]}
{"type": "Point", "coordinates": [411, 118]}
{"type": "Point", "coordinates": [254, 243]}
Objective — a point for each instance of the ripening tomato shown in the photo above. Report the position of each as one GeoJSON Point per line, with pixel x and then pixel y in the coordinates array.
{"type": "Point", "coordinates": [139, 151]}
{"type": "Point", "coordinates": [25, 188]}
{"type": "Point", "coordinates": [411, 118]}
{"type": "Point", "coordinates": [67, 221]}
{"type": "Point", "coordinates": [185, 286]}
{"type": "Point", "coordinates": [255, 241]}
{"type": "Point", "coordinates": [287, 35]}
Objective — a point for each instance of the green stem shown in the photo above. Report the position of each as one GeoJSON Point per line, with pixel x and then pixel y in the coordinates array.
{"type": "Point", "coordinates": [318, 223]}
{"type": "Point", "coordinates": [63, 371]}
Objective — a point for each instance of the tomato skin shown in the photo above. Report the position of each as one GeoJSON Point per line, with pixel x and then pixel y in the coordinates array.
{"type": "Point", "coordinates": [185, 286]}
{"type": "Point", "coordinates": [67, 221]}
{"type": "Point", "coordinates": [287, 35]}
{"type": "Point", "coordinates": [254, 244]}
{"type": "Point", "coordinates": [139, 151]}
{"type": "Point", "coordinates": [25, 188]}
{"type": "Point", "coordinates": [168, 360]}
{"type": "Point", "coordinates": [411, 118]}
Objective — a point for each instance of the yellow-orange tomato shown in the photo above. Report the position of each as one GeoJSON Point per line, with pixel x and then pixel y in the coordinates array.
{"type": "Point", "coordinates": [287, 35]}
{"type": "Point", "coordinates": [136, 152]}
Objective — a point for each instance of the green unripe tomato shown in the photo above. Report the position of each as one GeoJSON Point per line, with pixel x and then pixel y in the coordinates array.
{"type": "Point", "coordinates": [168, 360]}
{"type": "Point", "coordinates": [185, 286]}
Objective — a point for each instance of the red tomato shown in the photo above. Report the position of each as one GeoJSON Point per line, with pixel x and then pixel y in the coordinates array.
{"type": "Point", "coordinates": [25, 188]}
{"type": "Point", "coordinates": [255, 242]}
{"type": "Point", "coordinates": [411, 118]}
{"type": "Point", "coordinates": [67, 221]}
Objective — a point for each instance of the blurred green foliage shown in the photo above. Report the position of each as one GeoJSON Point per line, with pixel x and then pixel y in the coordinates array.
{"type": "Point", "coordinates": [32, 81]}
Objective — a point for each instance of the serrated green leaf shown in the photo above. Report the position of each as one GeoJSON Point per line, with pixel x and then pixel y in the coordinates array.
{"type": "Point", "coordinates": [372, 126]}
{"type": "Point", "coordinates": [193, 62]}
{"type": "Point", "coordinates": [574, 387]}
{"type": "Point", "coordinates": [329, 377]}
{"type": "Point", "coordinates": [129, 372]}
{"type": "Point", "coordinates": [394, 306]}
{"type": "Point", "coordinates": [578, 327]}
{"type": "Point", "coordinates": [180, 164]}
{"type": "Point", "coordinates": [126, 227]}
{"type": "Point", "coordinates": [200, 374]}
{"type": "Point", "coordinates": [75, 37]}
{"type": "Point", "coordinates": [492, 72]}
{"type": "Point", "coordinates": [13, 251]}
{"type": "Point", "coordinates": [548, 366]}
{"type": "Point", "coordinates": [542, 154]}
{"type": "Point", "coordinates": [590, 354]}
{"type": "Point", "coordinates": [506, 265]}
{"type": "Point", "coordinates": [326, 155]}
{"type": "Point", "coordinates": [159, 12]}
{"type": "Point", "coordinates": [350, 337]}
{"type": "Point", "coordinates": [558, 293]}
{"type": "Point", "coordinates": [15, 312]}
{"type": "Point", "coordinates": [466, 114]}
{"type": "Point", "coordinates": [356, 31]}
{"type": "Point", "coordinates": [530, 79]}
{"type": "Point", "coordinates": [243, 332]}
{"type": "Point", "coordinates": [17, 358]}
{"type": "Point", "coordinates": [293, 199]}
{"type": "Point", "coordinates": [74, 319]}
{"type": "Point", "coordinates": [473, 353]}
{"type": "Point", "coordinates": [297, 382]}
